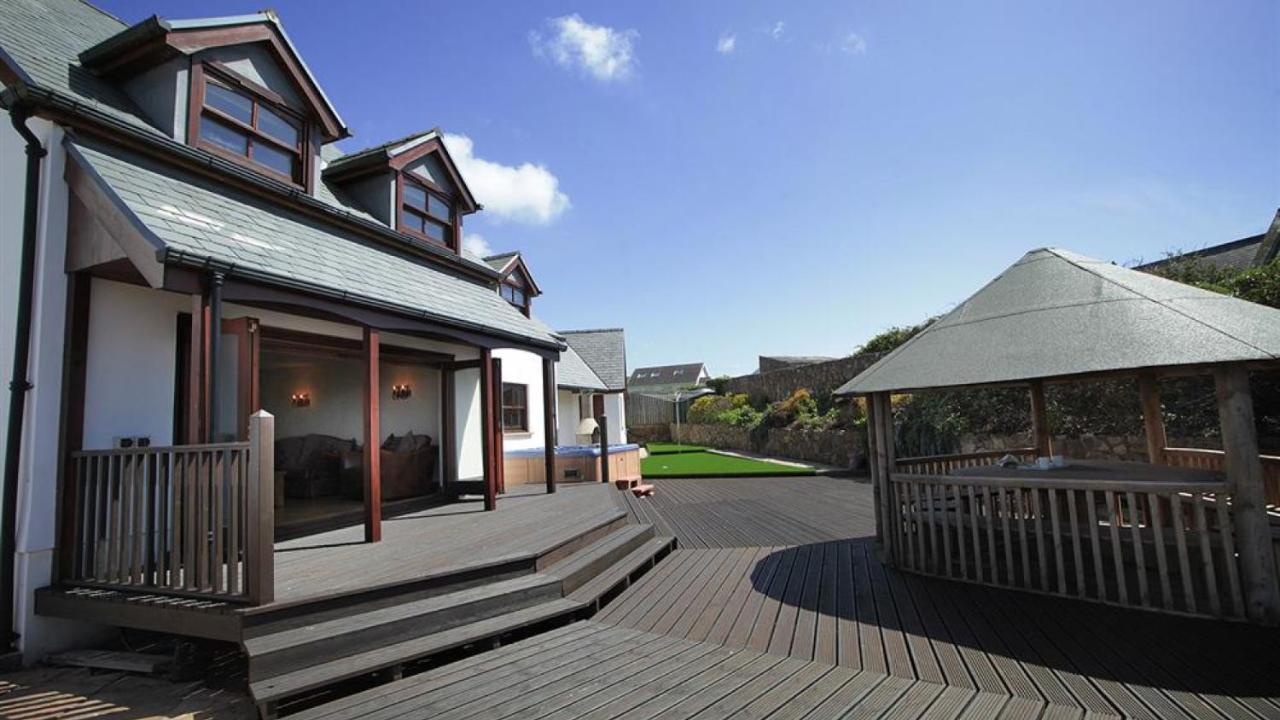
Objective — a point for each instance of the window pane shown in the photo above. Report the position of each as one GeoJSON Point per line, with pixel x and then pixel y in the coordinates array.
{"type": "Point", "coordinates": [438, 208]}
{"type": "Point", "coordinates": [435, 231]}
{"type": "Point", "coordinates": [277, 127]}
{"type": "Point", "coordinates": [415, 196]}
{"type": "Point", "coordinates": [223, 136]}
{"type": "Point", "coordinates": [517, 297]}
{"type": "Point", "coordinates": [267, 156]}
{"type": "Point", "coordinates": [410, 221]}
{"type": "Point", "coordinates": [229, 101]}
{"type": "Point", "coordinates": [513, 419]}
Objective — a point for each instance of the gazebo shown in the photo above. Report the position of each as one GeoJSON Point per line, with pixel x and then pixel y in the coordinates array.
{"type": "Point", "coordinates": [1190, 532]}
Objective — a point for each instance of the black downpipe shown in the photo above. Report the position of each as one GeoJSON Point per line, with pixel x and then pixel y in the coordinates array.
{"type": "Point", "coordinates": [215, 348]}
{"type": "Point", "coordinates": [19, 385]}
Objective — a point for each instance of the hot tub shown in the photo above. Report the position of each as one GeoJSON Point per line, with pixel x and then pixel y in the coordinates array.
{"type": "Point", "coordinates": [574, 463]}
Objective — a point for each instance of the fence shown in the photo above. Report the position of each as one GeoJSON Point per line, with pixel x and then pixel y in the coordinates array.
{"type": "Point", "coordinates": [651, 410]}
{"type": "Point", "coordinates": [192, 520]}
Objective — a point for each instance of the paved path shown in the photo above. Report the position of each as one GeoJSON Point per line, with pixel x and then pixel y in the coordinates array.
{"type": "Point", "coordinates": [777, 607]}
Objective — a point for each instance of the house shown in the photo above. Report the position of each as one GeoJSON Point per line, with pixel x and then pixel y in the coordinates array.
{"type": "Point", "coordinates": [665, 379]}
{"type": "Point", "coordinates": [186, 248]}
{"type": "Point", "coordinates": [1252, 251]}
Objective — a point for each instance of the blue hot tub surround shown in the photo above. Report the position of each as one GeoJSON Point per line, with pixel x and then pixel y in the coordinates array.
{"type": "Point", "coordinates": [572, 451]}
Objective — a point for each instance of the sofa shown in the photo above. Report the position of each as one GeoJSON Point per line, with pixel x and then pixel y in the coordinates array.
{"type": "Point", "coordinates": [311, 464]}
{"type": "Point", "coordinates": [408, 468]}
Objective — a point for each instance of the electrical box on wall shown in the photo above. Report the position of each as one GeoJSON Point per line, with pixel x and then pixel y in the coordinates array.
{"type": "Point", "coordinates": [125, 442]}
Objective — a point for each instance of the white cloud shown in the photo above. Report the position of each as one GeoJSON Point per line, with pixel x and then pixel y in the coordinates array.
{"type": "Point", "coordinates": [853, 44]}
{"type": "Point", "coordinates": [475, 242]}
{"type": "Point", "coordinates": [727, 43]}
{"type": "Point", "coordinates": [525, 193]}
{"type": "Point", "coordinates": [778, 30]}
{"type": "Point", "coordinates": [603, 52]}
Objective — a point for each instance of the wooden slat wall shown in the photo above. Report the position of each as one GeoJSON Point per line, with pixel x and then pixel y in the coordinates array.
{"type": "Point", "coordinates": [1156, 545]}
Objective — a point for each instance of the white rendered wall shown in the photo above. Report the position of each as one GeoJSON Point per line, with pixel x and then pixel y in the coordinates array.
{"type": "Point", "coordinates": [568, 416]}
{"type": "Point", "coordinates": [468, 432]}
{"type": "Point", "coordinates": [615, 409]}
{"type": "Point", "coordinates": [130, 366]}
{"type": "Point", "coordinates": [525, 368]}
{"type": "Point", "coordinates": [40, 462]}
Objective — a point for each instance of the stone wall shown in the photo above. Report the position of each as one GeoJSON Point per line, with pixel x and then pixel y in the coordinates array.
{"type": "Point", "coordinates": [1132, 448]}
{"type": "Point", "coordinates": [818, 378]}
{"type": "Point", "coordinates": [648, 433]}
{"type": "Point", "coordinates": [839, 448]}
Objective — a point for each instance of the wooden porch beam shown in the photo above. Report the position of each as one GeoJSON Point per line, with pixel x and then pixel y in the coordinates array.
{"type": "Point", "coordinates": [1040, 421]}
{"type": "Point", "coordinates": [448, 475]}
{"type": "Point", "coordinates": [486, 429]}
{"type": "Point", "coordinates": [499, 446]}
{"type": "Point", "coordinates": [1248, 506]}
{"type": "Point", "coordinates": [372, 441]}
{"type": "Point", "coordinates": [549, 422]}
{"type": "Point", "coordinates": [1152, 417]}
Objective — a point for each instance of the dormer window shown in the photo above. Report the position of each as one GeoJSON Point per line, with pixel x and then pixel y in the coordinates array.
{"type": "Point", "coordinates": [515, 296]}
{"type": "Point", "coordinates": [426, 213]}
{"type": "Point", "coordinates": [247, 124]}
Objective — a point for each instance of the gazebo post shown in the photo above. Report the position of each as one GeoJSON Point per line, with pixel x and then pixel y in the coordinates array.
{"type": "Point", "coordinates": [885, 458]}
{"type": "Point", "coordinates": [873, 465]}
{"type": "Point", "coordinates": [1040, 421]}
{"type": "Point", "coordinates": [1152, 417]}
{"type": "Point", "coordinates": [1248, 506]}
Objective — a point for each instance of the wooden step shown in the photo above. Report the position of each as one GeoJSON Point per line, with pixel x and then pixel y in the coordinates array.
{"type": "Point", "coordinates": [293, 648]}
{"type": "Point", "coordinates": [322, 673]}
{"type": "Point", "coordinates": [583, 565]}
{"type": "Point", "coordinates": [642, 490]}
{"type": "Point", "coordinates": [600, 585]}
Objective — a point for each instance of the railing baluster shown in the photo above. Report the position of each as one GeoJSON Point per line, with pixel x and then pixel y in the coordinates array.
{"type": "Point", "coordinates": [1139, 554]}
{"type": "Point", "coordinates": [1184, 564]}
{"type": "Point", "coordinates": [989, 508]}
{"type": "Point", "coordinates": [1023, 545]}
{"type": "Point", "coordinates": [962, 542]}
{"type": "Point", "coordinates": [1055, 523]}
{"type": "Point", "coordinates": [944, 525]}
{"type": "Point", "coordinates": [1010, 577]}
{"type": "Point", "coordinates": [975, 517]}
{"type": "Point", "coordinates": [1156, 512]}
{"type": "Point", "coordinates": [1206, 556]}
{"type": "Point", "coordinates": [1099, 570]}
{"type": "Point", "coordinates": [218, 485]}
{"type": "Point", "coordinates": [1076, 553]}
{"type": "Point", "coordinates": [1040, 549]}
{"type": "Point", "coordinates": [1225, 532]}
{"type": "Point", "coordinates": [1117, 553]}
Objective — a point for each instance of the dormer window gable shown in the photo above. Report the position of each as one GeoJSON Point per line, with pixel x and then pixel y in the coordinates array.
{"type": "Point", "coordinates": [411, 184]}
{"type": "Point", "coordinates": [516, 284]}
{"type": "Point", "coordinates": [233, 86]}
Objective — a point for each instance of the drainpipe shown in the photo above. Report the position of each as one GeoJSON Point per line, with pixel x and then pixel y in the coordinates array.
{"type": "Point", "coordinates": [19, 384]}
{"type": "Point", "coordinates": [215, 348]}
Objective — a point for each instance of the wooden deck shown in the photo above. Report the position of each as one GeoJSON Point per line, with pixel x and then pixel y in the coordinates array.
{"type": "Point", "coordinates": [777, 607]}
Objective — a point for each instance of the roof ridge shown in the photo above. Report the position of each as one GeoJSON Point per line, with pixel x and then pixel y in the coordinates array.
{"type": "Point", "coordinates": [591, 330]}
{"type": "Point", "coordinates": [1161, 303]}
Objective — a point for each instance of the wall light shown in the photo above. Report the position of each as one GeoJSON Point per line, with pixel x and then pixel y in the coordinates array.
{"type": "Point", "coordinates": [300, 400]}
{"type": "Point", "coordinates": [400, 392]}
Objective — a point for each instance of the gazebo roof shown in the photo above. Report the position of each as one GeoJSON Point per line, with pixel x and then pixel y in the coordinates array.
{"type": "Point", "coordinates": [1055, 313]}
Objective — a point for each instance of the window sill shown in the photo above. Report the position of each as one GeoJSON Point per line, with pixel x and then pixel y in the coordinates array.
{"type": "Point", "coordinates": [517, 433]}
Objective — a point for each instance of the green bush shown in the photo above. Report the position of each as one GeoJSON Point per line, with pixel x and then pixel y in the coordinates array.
{"type": "Point", "coordinates": [724, 410]}
{"type": "Point", "coordinates": [799, 403]}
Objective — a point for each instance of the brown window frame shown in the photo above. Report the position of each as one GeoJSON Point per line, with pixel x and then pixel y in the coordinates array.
{"type": "Point", "coordinates": [523, 291]}
{"type": "Point", "coordinates": [203, 73]}
{"type": "Point", "coordinates": [451, 224]}
{"type": "Point", "coordinates": [523, 426]}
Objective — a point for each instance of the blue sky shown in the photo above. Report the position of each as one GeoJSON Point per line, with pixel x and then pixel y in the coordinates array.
{"type": "Point", "coordinates": [727, 179]}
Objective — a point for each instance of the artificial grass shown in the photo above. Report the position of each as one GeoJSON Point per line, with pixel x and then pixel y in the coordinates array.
{"type": "Point", "coordinates": [666, 448]}
{"type": "Point", "coordinates": [707, 464]}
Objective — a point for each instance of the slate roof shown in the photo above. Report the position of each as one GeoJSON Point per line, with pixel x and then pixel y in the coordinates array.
{"type": "Point", "coordinates": [1056, 313]}
{"type": "Point", "coordinates": [685, 374]}
{"type": "Point", "coordinates": [500, 261]}
{"type": "Point", "coordinates": [197, 219]}
{"type": "Point", "coordinates": [604, 351]}
{"type": "Point", "coordinates": [42, 40]}
{"type": "Point", "coordinates": [573, 372]}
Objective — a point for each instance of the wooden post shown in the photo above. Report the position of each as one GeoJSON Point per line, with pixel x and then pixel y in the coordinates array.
{"type": "Point", "coordinates": [1040, 421]}
{"type": "Point", "coordinates": [549, 421]}
{"type": "Point", "coordinates": [260, 511]}
{"type": "Point", "coordinates": [874, 466]}
{"type": "Point", "coordinates": [214, 336]}
{"type": "Point", "coordinates": [1248, 506]}
{"type": "Point", "coordinates": [499, 428]}
{"type": "Point", "coordinates": [885, 458]}
{"type": "Point", "coordinates": [1152, 417]}
{"type": "Point", "coordinates": [603, 421]}
{"type": "Point", "coordinates": [486, 429]}
{"type": "Point", "coordinates": [372, 441]}
{"type": "Point", "coordinates": [448, 476]}
{"type": "Point", "coordinates": [197, 388]}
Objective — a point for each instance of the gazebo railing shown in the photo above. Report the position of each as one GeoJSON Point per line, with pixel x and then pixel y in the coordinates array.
{"type": "Point", "coordinates": [1213, 460]}
{"type": "Point", "coordinates": [1147, 544]}
{"type": "Point", "coordinates": [943, 464]}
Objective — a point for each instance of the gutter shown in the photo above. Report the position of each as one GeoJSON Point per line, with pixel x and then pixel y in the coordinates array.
{"type": "Point", "coordinates": [19, 385]}
{"type": "Point", "coordinates": [168, 151]}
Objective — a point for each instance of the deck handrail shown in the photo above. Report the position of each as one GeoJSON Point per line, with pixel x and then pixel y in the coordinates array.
{"type": "Point", "coordinates": [1137, 543]}
{"type": "Point", "coordinates": [943, 464]}
{"type": "Point", "coordinates": [187, 520]}
{"type": "Point", "coordinates": [1206, 459]}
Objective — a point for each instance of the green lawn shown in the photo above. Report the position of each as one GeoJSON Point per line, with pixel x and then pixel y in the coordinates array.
{"type": "Point", "coordinates": [706, 464]}
{"type": "Point", "coordinates": [666, 448]}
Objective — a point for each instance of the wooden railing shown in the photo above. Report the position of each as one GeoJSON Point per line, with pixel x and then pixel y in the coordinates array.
{"type": "Point", "coordinates": [1152, 544]}
{"type": "Point", "coordinates": [1213, 460]}
{"type": "Point", "coordinates": [943, 464]}
{"type": "Point", "coordinates": [192, 520]}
